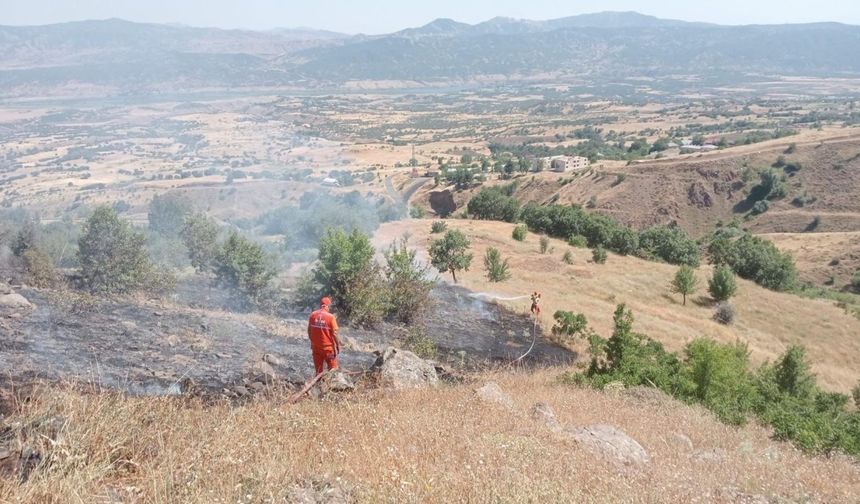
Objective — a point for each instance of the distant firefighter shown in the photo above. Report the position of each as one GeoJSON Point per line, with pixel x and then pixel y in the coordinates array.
{"type": "Point", "coordinates": [322, 331]}
{"type": "Point", "coordinates": [535, 304]}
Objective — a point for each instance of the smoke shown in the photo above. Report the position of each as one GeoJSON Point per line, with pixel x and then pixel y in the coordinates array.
{"type": "Point", "coordinates": [496, 297]}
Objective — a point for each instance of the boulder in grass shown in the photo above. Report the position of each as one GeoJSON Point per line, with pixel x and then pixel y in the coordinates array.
{"type": "Point", "coordinates": [402, 369]}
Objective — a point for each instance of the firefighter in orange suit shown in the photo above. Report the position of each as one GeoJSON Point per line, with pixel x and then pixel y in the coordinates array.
{"type": "Point", "coordinates": [322, 331]}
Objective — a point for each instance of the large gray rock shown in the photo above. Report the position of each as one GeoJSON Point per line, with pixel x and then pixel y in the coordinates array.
{"type": "Point", "coordinates": [14, 301]}
{"type": "Point", "coordinates": [492, 393]}
{"type": "Point", "coordinates": [611, 443]}
{"type": "Point", "coordinates": [401, 369]}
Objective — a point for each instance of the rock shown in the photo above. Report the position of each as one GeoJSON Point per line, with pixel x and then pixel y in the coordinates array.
{"type": "Point", "coordinates": [681, 441]}
{"type": "Point", "coordinates": [271, 360]}
{"type": "Point", "coordinates": [611, 443]}
{"type": "Point", "coordinates": [264, 370]}
{"type": "Point", "coordinates": [257, 386]}
{"type": "Point", "coordinates": [5, 453]}
{"type": "Point", "coordinates": [492, 393]}
{"type": "Point", "coordinates": [402, 369]}
{"type": "Point", "coordinates": [240, 390]}
{"type": "Point", "coordinates": [542, 413]}
{"type": "Point", "coordinates": [315, 492]}
{"type": "Point", "coordinates": [5, 289]}
{"type": "Point", "coordinates": [335, 381]}
{"type": "Point", "coordinates": [715, 456]}
{"type": "Point", "coordinates": [14, 301]}
{"type": "Point", "coordinates": [647, 395]}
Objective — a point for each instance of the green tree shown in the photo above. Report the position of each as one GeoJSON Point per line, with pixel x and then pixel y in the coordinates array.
{"type": "Point", "coordinates": [25, 238]}
{"type": "Point", "coordinates": [243, 265]}
{"type": "Point", "coordinates": [167, 213]}
{"type": "Point", "coordinates": [200, 235]}
{"type": "Point", "coordinates": [111, 254]}
{"type": "Point", "coordinates": [451, 253]}
{"type": "Point", "coordinates": [722, 285]}
{"type": "Point", "coordinates": [343, 258]}
{"type": "Point", "coordinates": [493, 204]}
{"type": "Point", "coordinates": [685, 282]}
{"type": "Point", "coordinates": [496, 267]}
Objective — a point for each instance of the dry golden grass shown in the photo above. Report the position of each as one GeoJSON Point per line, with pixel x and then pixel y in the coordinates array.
{"type": "Point", "coordinates": [438, 445]}
{"type": "Point", "coordinates": [769, 321]}
{"type": "Point", "coordinates": [816, 253]}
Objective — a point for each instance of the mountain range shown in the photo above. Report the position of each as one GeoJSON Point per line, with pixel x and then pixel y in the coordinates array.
{"type": "Point", "coordinates": [119, 56]}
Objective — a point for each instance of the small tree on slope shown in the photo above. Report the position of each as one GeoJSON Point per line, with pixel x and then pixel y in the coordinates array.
{"type": "Point", "coordinates": [451, 253]}
{"type": "Point", "coordinates": [685, 282]}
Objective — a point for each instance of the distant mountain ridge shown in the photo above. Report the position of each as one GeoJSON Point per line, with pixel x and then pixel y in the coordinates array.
{"type": "Point", "coordinates": [121, 56]}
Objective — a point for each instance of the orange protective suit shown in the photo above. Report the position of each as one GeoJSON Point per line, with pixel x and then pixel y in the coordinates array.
{"type": "Point", "coordinates": [322, 331]}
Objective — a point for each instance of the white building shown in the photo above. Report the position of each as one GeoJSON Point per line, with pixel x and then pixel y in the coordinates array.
{"type": "Point", "coordinates": [564, 163]}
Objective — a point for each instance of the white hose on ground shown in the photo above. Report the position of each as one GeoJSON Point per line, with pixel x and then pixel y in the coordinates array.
{"type": "Point", "coordinates": [534, 340]}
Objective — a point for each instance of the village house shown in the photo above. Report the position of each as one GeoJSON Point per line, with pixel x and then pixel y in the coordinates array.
{"type": "Point", "coordinates": [562, 164]}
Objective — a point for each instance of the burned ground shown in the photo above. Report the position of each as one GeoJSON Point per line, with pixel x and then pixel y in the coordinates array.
{"type": "Point", "coordinates": [146, 348]}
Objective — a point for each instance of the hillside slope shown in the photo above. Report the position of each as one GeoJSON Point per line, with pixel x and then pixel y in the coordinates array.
{"type": "Point", "coordinates": [768, 321]}
{"type": "Point", "coordinates": [698, 191]}
{"type": "Point", "coordinates": [436, 445]}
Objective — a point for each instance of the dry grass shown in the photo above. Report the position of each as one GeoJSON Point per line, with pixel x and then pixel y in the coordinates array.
{"type": "Point", "coordinates": [769, 321]}
{"type": "Point", "coordinates": [820, 256]}
{"type": "Point", "coordinates": [437, 445]}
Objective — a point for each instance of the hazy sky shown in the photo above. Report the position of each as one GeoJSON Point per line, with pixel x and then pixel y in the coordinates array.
{"type": "Point", "coordinates": [381, 16]}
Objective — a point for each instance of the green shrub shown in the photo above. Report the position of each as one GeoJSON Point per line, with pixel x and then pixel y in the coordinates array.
{"type": "Point", "coordinates": [407, 284]}
{"type": "Point", "coordinates": [438, 226]}
{"type": "Point", "coordinates": [112, 254]}
{"type": "Point", "coordinates": [624, 241]}
{"type": "Point", "coordinates": [784, 395]}
{"type": "Point", "coordinates": [497, 269]}
{"type": "Point", "coordinates": [685, 282]}
{"type": "Point", "coordinates": [242, 265]}
{"type": "Point", "coordinates": [722, 285]}
{"type": "Point", "coordinates": [855, 281]}
{"type": "Point", "coordinates": [569, 324]}
{"type": "Point", "coordinates": [25, 238]}
{"type": "Point", "coordinates": [520, 232]}
{"type": "Point", "coordinates": [417, 212]}
{"type": "Point", "coordinates": [755, 259]}
{"type": "Point", "coordinates": [598, 255]}
{"type": "Point", "coordinates": [760, 207]}
{"type": "Point", "coordinates": [40, 268]}
{"type": "Point", "coordinates": [716, 376]}
{"type": "Point", "coordinates": [544, 244]}
{"type": "Point", "coordinates": [670, 244]}
{"type": "Point", "coordinates": [567, 258]}
{"type": "Point", "coordinates": [577, 241]}
{"type": "Point", "coordinates": [417, 342]}
{"type": "Point", "coordinates": [493, 204]}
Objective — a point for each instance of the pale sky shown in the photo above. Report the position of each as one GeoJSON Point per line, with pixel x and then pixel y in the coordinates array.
{"type": "Point", "coordinates": [384, 16]}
